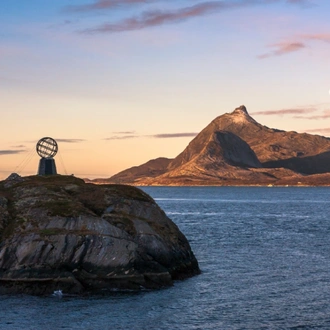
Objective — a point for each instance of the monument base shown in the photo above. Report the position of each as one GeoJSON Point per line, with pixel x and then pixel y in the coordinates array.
{"type": "Point", "coordinates": [47, 166]}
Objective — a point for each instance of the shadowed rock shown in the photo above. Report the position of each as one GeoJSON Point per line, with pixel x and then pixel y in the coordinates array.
{"type": "Point", "coordinates": [59, 233]}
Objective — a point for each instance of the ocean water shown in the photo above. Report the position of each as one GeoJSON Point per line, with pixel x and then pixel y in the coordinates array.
{"type": "Point", "coordinates": [265, 260]}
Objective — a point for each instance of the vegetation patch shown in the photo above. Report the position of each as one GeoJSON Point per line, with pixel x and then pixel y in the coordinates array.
{"type": "Point", "coordinates": [129, 192]}
{"type": "Point", "coordinates": [51, 231]}
{"type": "Point", "coordinates": [61, 207]}
{"type": "Point", "coordinates": [92, 199]}
{"type": "Point", "coordinates": [52, 182]}
{"type": "Point", "coordinates": [62, 231]}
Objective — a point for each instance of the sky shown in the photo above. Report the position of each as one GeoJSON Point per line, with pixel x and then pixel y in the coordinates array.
{"type": "Point", "coordinates": [119, 82]}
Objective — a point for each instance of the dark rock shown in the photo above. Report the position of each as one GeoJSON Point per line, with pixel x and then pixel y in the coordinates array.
{"type": "Point", "coordinates": [12, 179]}
{"type": "Point", "coordinates": [59, 233]}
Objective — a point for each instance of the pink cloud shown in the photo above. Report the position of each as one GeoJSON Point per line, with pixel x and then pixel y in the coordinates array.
{"type": "Point", "coordinates": [301, 42]}
{"type": "Point", "coordinates": [284, 112]}
{"type": "Point", "coordinates": [154, 18]}
{"type": "Point", "coordinates": [103, 4]}
{"type": "Point", "coordinates": [317, 36]}
{"type": "Point", "coordinates": [110, 4]}
{"type": "Point", "coordinates": [122, 137]}
{"type": "Point", "coordinates": [173, 135]}
{"type": "Point", "coordinates": [70, 140]}
{"type": "Point", "coordinates": [325, 115]}
{"type": "Point", "coordinates": [283, 48]}
{"type": "Point", "coordinates": [318, 130]}
{"type": "Point", "coordinates": [160, 17]}
{"type": "Point", "coordinates": [128, 135]}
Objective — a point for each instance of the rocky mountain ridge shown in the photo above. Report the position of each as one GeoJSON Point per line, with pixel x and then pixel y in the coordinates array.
{"type": "Point", "coordinates": [234, 149]}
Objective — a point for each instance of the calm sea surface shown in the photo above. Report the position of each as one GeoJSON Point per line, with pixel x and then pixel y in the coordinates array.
{"type": "Point", "coordinates": [265, 260]}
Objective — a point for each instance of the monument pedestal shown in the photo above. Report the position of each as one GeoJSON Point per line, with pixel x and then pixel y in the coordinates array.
{"type": "Point", "coordinates": [47, 166]}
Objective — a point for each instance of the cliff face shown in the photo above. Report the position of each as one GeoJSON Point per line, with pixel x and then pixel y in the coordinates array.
{"type": "Point", "coordinates": [216, 149]}
{"type": "Point", "coordinates": [234, 149]}
{"type": "Point", "coordinates": [58, 232]}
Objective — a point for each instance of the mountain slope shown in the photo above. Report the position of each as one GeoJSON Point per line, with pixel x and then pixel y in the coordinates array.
{"type": "Point", "coordinates": [214, 151]}
{"type": "Point", "coordinates": [150, 169]}
{"type": "Point", "coordinates": [219, 146]}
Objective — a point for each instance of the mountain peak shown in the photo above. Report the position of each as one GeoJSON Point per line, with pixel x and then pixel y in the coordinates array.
{"type": "Point", "coordinates": [240, 110]}
{"type": "Point", "coordinates": [241, 116]}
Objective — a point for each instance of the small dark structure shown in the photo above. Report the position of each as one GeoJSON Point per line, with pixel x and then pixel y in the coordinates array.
{"type": "Point", "coordinates": [47, 148]}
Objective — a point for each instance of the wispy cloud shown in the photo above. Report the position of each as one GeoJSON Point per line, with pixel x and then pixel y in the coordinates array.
{"type": "Point", "coordinates": [318, 130]}
{"type": "Point", "coordinates": [300, 42]}
{"type": "Point", "coordinates": [125, 132]}
{"type": "Point", "coordinates": [283, 48]}
{"type": "Point", "coordinates": [317, 36]}
{"type": "Point", "coordinates": [173, 135]}
{"type": "Point", "coordinates": [154, 136]}
{"type": "Point", "coordinates": [102, 5]}
{"type": "Point", "coordinates": [70, 140]}
{"type": "Point", "coordinates": [151, 18]}
{"type": "Point", "coordinates": [283, 112]}
{"type": "Point", "coordinates": [324, 115]}
{"type": "Point", "coordinates": [160, 17]}
{"type": "Point", "coordinates": [10, 152]}
{"type": "Point", "coordinates": [298, 113]}
{"type": "Point", "coordinates": [122, 137]}
{"type": "Point", "coordinates": [19, 146]}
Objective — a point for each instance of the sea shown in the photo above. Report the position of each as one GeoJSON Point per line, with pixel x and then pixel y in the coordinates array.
{"type": "Point", "coordinates": [264, 254]}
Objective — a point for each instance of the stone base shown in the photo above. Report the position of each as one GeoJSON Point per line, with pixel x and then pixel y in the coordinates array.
{"type": "Point", "coordinates": [47, 166]}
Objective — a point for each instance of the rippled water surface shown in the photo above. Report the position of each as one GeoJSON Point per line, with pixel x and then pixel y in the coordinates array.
{"type": "Point", "coordinates": [265, 260]}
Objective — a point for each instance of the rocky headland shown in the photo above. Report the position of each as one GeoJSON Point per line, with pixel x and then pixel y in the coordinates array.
{"type": "Point", "coordinates": [234, 149]}
{"type": "Point", "coordinates": [60, 233]}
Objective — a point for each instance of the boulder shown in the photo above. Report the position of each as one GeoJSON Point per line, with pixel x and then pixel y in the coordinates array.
{"type": "Point", "coordinates": [60, 233]}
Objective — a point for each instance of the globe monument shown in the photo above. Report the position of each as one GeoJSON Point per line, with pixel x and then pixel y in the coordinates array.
{"type": "Point", "coordinates": [47, 148]}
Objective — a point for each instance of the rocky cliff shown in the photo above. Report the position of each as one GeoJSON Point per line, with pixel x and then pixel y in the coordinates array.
{"type": "Point", "coordinates": [59, 233]}
{"type": "Point", "coordinates": [234, 149]}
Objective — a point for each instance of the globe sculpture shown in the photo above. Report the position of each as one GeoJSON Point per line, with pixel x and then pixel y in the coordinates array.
{"type": "Point", "coordinates": [47, 148]}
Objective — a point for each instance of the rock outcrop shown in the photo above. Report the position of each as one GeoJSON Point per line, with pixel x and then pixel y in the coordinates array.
{"type": "Point", "coordinates": [59, 233]}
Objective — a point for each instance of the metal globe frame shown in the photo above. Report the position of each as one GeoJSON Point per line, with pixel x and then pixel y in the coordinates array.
{"type": "Point", "coordinates": [47, 147]}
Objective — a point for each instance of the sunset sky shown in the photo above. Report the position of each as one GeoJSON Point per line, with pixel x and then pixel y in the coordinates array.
{"type": "Point", "coordinates": [120, 82]}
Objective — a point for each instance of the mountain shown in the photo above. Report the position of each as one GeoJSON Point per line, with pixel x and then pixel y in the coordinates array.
{"type": "Point", "coordinates": [151, 169]}
{"type": "Point", "coordinates": [276, 148]}
{"type": "Point", "coordinates": [234, 149]}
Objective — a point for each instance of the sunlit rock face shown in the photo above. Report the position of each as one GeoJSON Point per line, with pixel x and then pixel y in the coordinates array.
{"type": "Point", "coordinates": [234, 149]}
{"type": "Point", "coordinates": [59, 233]}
